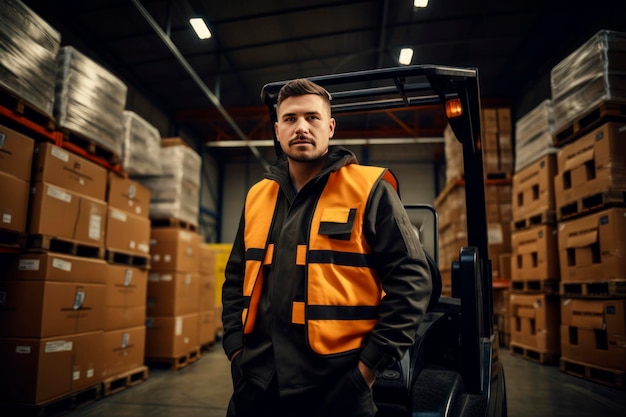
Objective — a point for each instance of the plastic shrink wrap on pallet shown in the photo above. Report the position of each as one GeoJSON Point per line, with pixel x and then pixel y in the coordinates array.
{"type": "Point", "coordinates": [175, 193]}
{"type": "Point", "coordinates": [140, 146]}
{"type": "Point", "coordinates": [28, 50]}
{"type": "Point", "coordinates": [89, 100]}
{"type": "Point", "coordinates": [592, 74]}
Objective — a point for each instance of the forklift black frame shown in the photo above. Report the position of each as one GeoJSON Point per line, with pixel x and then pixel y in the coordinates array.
{"type": "Point", "coordinates": [478, 360]}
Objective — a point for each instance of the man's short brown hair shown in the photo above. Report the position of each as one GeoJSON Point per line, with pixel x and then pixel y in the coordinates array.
{"type": "Point", "coordinates": [300, 87]}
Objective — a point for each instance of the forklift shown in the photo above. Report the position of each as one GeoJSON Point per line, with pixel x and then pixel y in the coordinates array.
{"type": "Point", "coordinates": [454, 369]}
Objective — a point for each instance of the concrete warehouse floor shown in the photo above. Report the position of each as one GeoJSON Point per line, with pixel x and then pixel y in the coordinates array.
{"type": "Point", "coordinates": [203, 389]}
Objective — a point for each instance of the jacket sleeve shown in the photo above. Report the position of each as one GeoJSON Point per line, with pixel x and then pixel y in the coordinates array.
{"type": "Point", "coordinates": [403, 270]}
{"type": "Point", "coordinates": [232, 295]}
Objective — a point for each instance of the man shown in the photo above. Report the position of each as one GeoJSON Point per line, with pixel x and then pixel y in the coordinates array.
{"type": "Point", "coordinates": [327, 281]}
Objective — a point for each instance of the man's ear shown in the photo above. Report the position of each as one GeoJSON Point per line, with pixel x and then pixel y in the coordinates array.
{"type": "Point", "coordinates": [332, 123]}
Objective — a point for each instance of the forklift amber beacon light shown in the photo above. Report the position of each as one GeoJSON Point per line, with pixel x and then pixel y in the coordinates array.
{"type": "Point", "coordinates": [454, 108]}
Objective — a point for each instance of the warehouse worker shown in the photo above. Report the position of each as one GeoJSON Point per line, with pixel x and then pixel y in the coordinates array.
{"type": "Point", "coordinates": [327, 282]}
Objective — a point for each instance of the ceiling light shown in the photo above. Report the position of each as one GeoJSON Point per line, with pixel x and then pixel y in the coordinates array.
{"type": "Point", "coordinates": [406, 54]}
{"type": "Point", "coordinates": [200, 27]}
{"type": "Point", "coordinates": [420, 3]}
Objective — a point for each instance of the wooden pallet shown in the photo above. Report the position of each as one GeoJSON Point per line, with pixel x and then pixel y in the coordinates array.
{"type": "Point", "coordinates": [174, 222]}
{"type": "Point", "coordinates": [127, 258]}
{"type": "Point", "coordinates": [546, 217]}
{"type": "Point", "coordinates": [12, 240]}
{"type": "Point", "coordinates": [532, 354]}
{"type": "Point", "coordinates": [612, 197]}
{"type": "Point", "coordinates": [606, 376]}
{"type": "Point", "coordinates": [594, 289]}
{"type": "Point", "coordinates": [17, 108]}
{"type": "Point", "coordinates": [606, 111]}
{"type": "Point", "coordinates": [62, 245]}
{"type": "Point", "coordinates": [177, 362]}
{"type": "Point", "coordinates": [73, 140]}
{"type": "Point", "coordinates": [536, 286]}
{"type": "Point", "coordinates": [124, 380]}
{"type": "Point", "coordinates": [56, 407]}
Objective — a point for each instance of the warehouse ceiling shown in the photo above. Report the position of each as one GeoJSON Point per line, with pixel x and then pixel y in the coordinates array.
{"type": "Point", "coordinates": [513, 44]}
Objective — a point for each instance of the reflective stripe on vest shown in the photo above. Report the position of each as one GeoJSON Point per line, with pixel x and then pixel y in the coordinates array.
{"type": "Point", "coordinates": [343, 291]}
{"type": "Point", "coordinates": [259, 213]}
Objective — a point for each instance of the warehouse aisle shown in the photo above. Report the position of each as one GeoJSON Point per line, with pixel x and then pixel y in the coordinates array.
{"type": "Point", "coordinates": [203, 389]}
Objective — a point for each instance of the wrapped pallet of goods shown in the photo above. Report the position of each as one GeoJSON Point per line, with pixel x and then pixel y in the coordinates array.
{"type": "Point", "coordinates": [28, 50]}
{"type": "Point", "coordinates": [140, 146]}
{"type": "Point", "coordinates": [588, 83]}
{"type": "Point", "coordinates": [534, 135]}
{"type": "Point", "coordinates": [89, 101]}
{"type": "Point", "coordinates": [175, 193]}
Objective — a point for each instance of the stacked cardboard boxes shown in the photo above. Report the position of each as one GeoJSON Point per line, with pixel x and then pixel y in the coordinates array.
{"type": "Point", "coordinates": [16, 154]}
{"type": "Point", "coordinates": [207, 323]}
{"type": "Point", "coordinates": [173, 304]}
{"type": "Point", "coordinates": [53, 297]}
{"type": "Point", "coordinates": [590, 188]}
{"type": "Point", "coordinates": [450, 203]}
{"type": "Point", "coordinates": [127, 245]}
{"type": "Point", "coordinates": [534, 301]}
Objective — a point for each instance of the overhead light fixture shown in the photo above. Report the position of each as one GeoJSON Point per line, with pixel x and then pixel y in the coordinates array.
{"type": "Point", "coordinates": [406, 54]}
{"type": "Point", "coordinates": [200, 27]}
{"type": "Point", "coordinates": [420, 4]}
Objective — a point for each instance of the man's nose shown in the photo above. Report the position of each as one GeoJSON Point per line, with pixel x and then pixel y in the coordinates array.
{"type": "Point", "coordinates": [301, 126]}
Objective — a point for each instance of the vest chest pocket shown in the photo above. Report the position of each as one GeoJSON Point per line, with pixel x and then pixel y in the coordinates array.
{"type": "Point", "coordinates": [337, 222]}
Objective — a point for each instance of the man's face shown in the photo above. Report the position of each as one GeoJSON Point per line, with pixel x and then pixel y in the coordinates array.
{"type": "Point", "coordinates": [304, 127]}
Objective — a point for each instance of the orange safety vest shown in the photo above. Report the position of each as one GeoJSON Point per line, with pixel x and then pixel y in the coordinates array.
{"type": "Point", "coordinates": [343, 291]}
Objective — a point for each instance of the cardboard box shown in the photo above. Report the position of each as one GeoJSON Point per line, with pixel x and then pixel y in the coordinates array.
{"type": "Point", "coordinates": [13, 202]}
{"type": "Point", "coordinates": [125, 301]}
{"type": "Point", "coordinates": [63, 214]}
{"type": "Point", "coordinates": [171, 336]}
{"type": "Point", "coordinates": [535, 321]}
{"type": "Point", "coordinates": [592, 164]}
{"type": "Point", "coordinates": [87, 360]}
{"type": "Point", "coordinates": [173, 293]}
{"type": "Point", "coordinates": [65, 169]}
{"type": "Point", "coordinates": [594, 332]}
{"type": "Point", "coordinates": [35, 371]}
{"type": "Point", "coordinates": [206, 327]}
{"type": "Point", "coordinates": [127, 232]}
{"type": "Point", "coordinates": [173, 249]}
{"type": "Point", "coordinates": [123, 350]}
{"type": "Point", "coordinates": [533, 189]}
{"type": "Point", "coordinates": [207, 260]}
{"type": "Point", "coordinates": [591, 248]}
{"type": "Point", "coordinates": [16, 153]}
{"type": "Point", "coordinates": [535, 254]}
{"type": "Point", "coordinates": [128, 195]}
{"type": "Point", "coordinates": [49, 309]}
{"type": "Point", "coordinates": [206, 290]}
{"type": "Point", "coordinates": [59, 267]}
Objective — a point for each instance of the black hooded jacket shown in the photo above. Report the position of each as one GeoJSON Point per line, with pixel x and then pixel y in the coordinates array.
{"type": "Point", "coordinates": [277, 346]}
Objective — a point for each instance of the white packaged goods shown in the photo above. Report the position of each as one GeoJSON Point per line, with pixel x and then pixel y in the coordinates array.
{"type": "Point", "coordinates": [534, 135]}
{"type": "Point", "coordinates": [175, 193]}
{"type": "Point", "coordinates": [28, 50]}
{"type": "Point", "coordinates": [89, 99]}
{"type": "Point", "coordinates": [592, 74]}
{"type": "Point", "coordinates": [140, 146]}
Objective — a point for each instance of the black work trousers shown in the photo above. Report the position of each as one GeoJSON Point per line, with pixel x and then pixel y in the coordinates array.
{"type": "Point", "coordinates": [347, 396]}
